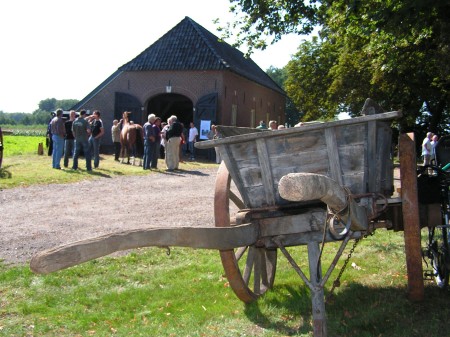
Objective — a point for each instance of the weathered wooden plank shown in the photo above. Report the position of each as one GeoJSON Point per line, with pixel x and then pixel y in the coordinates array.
{"type": "Point", "coordinates": [317, 292]}
{"type": "Point", "coordinates": [244, 151]}
{"type": "Point", "coordinates": [385, 163]}
{"type": "Point", "coordinates": [354, 182]}
{"type": "Point", "coordinates": [234, 172]}
{"type": "Point", "coordinates": [229, 131]}
{"type": "Point", "coordinates": [371, 156]}
{"type": "Point", "coordinates": [82, 251]}
{"type": "Point", "coordinates": [333, 156]}
{"type": "Point", "coordinates": [350, 134]}
{"type": "Point", "coordinates": [251, 176]}
{"type": "Point", "coordinates": [301, 159]}
{"type": "Point", "coordinates": [303, 129]}
{"type": "Point", "coordinates": [299, 142]}
{"type": "Point", "coordinates": [266, 171]}
{"type": "Point", "coordinates": [297, 239]}
{"type": "Point", "coordinates": [351, 158]}
{"type": "Point", "coordinates": [311, 220]}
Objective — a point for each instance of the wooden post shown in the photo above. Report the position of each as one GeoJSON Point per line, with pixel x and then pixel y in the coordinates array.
{"type": "Point", "coordinates": [410, 209]}
{"type": "Point", "coordinates": [317, 294]}
{"type": "Point", "coordinates": [40, 149]}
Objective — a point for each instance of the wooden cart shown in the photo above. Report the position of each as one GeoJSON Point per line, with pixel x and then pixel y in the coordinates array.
{"type": "Point", "coordinates": [299, 186]}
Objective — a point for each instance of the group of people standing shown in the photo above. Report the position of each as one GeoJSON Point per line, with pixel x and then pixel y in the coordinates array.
{"type": "Point", "coordinates": [82, 134]}
{"type": "Point", "coordinates": [77, 134]}
{"type": "Point", "coordinates": [161, 140]}
{"type": "Point", "coordinates": [173, 140]}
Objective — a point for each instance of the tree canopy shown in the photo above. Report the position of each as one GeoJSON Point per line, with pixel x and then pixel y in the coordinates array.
{"type": "Point", "coordinates": [394, 51]}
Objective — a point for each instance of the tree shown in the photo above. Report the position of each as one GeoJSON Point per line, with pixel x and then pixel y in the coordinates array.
{"type": "Point", "coordinates": [395, 52]}
{"type": "Point", "coordinates": [5, 119]}
{"type": "Point", "coordinates": [48, 104]}
{"type": "Point", "coordinates": [51, 104]}
{"type": "Point", "coordinates": [41, 116]}
{"type": "Point", "coordinates": [66, 104]}
{"type": "Point", "coordinates": [280, 75]}
{"type": "Point", "coordinates": [255, 21]}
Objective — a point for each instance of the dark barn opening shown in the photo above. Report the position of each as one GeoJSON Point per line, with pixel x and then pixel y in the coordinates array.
{"type": "Point", "coordinates": [166, 105]}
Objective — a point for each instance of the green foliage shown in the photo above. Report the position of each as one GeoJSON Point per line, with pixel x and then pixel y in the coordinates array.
{"type": "Point", "coordinates": [38, 117]}
{"type": "Point", "coordinates": [51, 104]}
{"type": "Point", "coordinates": [280, 75]}
{"type": "Point", "coordinates": [395, 52]}
{"type": "Point", "coordinates": [255, 21]}
{"type": "Point", "coordinates": [311, 64]}
{"type": "Point", "coordinates": [48, 104]}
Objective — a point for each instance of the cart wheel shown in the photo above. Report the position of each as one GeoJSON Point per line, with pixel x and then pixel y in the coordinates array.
{"type": "Point", "coordinates": [258, 264]}
{"type": "Point", "coordinates": [439, 255]}
{"type": "Point", "coordinates": [1, 147]}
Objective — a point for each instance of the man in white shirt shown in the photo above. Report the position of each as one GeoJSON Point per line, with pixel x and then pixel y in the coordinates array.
{"type": "Point", "coordinates": [426, 149]}
{"type": "Point", "coordinates": [193, 134]}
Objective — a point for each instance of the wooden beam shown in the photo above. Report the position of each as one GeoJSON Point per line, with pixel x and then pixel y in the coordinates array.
{"type": "Point", "coordinates": [195, 237]}
{"type": "Point", "coordinates": [410, 209]}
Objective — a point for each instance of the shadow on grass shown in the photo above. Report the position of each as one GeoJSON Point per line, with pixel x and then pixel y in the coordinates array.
{"type": "Point", "coordinates": [181, 172]}
{"type": "Point", "coordinates": [5, 173]}
{"type": "Point", "coordinates": [94, 172]}
{"type": "Point", "coordinates": [357, 311]}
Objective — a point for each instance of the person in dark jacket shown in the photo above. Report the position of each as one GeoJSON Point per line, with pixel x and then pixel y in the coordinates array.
{"type": "Point", "coordinates": [173, 138]}
{"type": "Point", "coordinates": [68, 139]}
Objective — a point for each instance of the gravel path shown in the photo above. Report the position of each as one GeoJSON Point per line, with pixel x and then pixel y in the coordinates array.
{"type": "Point", "coordinates": [41, 217]}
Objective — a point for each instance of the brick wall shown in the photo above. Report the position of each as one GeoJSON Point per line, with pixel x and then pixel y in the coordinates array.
{"type": "Point", "coordinates": [250, 101]}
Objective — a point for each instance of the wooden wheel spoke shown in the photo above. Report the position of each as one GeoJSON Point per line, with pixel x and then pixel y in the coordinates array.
{"type": "Point", "coordinates": [236, 200]}
{"type": "Point", "coordinates": [249, 265]}
{"type": "Point", "coordinates": [240, 252]}
{"type": "Point", "coordinates": [257, 272]}
{"type": "Point", "coordinates": [264, 261]}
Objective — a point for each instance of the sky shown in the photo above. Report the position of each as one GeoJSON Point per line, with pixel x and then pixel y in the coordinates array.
{"type": "Point", "coordinates": [64, 49]}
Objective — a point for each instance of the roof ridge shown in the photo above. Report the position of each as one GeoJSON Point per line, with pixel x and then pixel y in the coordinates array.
{"type": "Point", "coordinates": [199, 29]}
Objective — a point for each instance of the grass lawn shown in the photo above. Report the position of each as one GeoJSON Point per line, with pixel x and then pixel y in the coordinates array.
{"type": "Point", "coordinates": [22, 166]}
{"type": "Point", "coordinates": [147, 293]}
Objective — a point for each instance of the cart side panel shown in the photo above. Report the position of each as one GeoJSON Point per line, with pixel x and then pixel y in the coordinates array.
{"type": "Point", "coordinates": [357, 156]}
{"type": "Point", "coordinates": [385, 158]}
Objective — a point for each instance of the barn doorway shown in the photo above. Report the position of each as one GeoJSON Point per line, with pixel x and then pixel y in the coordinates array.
{"type": "Point", "coordinates": [166, 105]}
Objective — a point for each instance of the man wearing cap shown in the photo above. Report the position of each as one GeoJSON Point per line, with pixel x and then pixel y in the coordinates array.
{"type": "Point", "coordinates": [81, 131]}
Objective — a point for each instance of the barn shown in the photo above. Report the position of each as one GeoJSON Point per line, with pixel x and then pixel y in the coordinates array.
{"type": "Point", "coordinates": [191, 73]}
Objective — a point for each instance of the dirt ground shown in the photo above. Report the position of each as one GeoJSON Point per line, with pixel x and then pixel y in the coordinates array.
{"type": "Point", "coordinates": [36, 218]}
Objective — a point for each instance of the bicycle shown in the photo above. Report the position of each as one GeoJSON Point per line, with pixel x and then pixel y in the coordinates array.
{"type": "Point", "coordinates": [433, 186]}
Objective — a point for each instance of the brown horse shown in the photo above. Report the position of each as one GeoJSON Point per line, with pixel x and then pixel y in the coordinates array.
{"type": "Point", "coordinates": [131, 137]}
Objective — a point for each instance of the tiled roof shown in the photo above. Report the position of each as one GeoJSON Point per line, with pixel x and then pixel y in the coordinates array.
{"type": "Point", "coordinates": [96, 90]}
{"type": "Point", "coordinates": [189, 46]}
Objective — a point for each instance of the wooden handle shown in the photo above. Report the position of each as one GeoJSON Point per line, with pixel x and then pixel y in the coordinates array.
{"type": "Point", "coordinates": [78, 252]}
